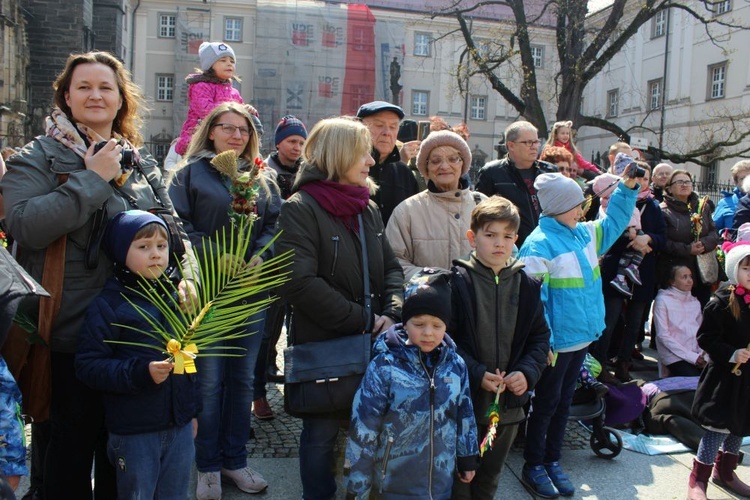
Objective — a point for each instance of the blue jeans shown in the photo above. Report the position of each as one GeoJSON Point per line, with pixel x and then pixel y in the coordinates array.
{"type": "Point", "coordinates": [316, 458]}
{"type": "Point", "coordinates": [550, 407]}
{"type": "Point", "coordinates": [153, 464]}
{"type": "Point", "coordinates": [226, 385]}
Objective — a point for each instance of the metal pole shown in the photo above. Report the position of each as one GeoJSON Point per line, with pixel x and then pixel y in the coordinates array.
{"type": "Point", "coordinates": [664, 86]}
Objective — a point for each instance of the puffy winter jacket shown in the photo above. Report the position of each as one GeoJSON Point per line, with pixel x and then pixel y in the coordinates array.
{"type": "Point", "coordinates": [724, 214]}
{"type": "Point", "coordinates": [568, 261]}
{"type": "Point", "coordinates": [203, 97]}
{"type": "Point", "coordinates": [411, 427]}
{"type": "Point", "coordinates": [429, 229]}
{"type": "Point", "coordinates": [677, 316]}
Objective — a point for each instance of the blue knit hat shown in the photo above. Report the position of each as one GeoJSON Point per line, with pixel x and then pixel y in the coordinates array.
{"type": "Point", "coordinates": [122, 229]}
{"type": "Point", "coordinates": [288, 126]}
{"type": "Point", "coordinates": [210, 52]}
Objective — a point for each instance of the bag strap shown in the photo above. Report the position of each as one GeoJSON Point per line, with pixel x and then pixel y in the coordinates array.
{"type": "Point", "coordinates": [366, 274]}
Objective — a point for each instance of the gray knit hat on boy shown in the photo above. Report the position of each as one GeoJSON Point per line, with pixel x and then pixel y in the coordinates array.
{"type": "Point", "coordinates": [557, 194]}
{"type": "Point", "coordinates": [443, 138]}
{"type": "Point", "coordinates": [210, 52]}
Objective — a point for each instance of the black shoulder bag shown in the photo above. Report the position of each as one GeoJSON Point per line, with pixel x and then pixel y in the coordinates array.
{"type": "Point", "coordinates": [322, 377]}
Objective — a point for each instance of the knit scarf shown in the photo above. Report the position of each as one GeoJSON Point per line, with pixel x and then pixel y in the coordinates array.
{"type": "Point", "coordinates": [59, 127]}
{"type": "Point", "coordinates": [342, 201]}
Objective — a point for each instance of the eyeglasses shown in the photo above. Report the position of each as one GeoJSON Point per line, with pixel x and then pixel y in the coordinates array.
{"type": "Point", "coordinates": [452, 160]}
{"type": "Point", "coordinates": [230, 129]}
{"type": "Point", "coordinates": [681, 183]}
{"type": "Point", "coordinates": [529, 144]}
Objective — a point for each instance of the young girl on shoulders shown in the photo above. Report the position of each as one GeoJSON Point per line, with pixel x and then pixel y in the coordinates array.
{"type": "Point", "coordinates": [561, 136]}
{"type": "Point", "coordinates": [210, 88]}
{"type": "Point", "coordinates": [721, 404]}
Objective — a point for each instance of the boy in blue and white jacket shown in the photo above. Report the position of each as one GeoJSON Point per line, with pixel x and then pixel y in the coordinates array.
{"type": "Point", "coordinates": [413, 422]}
{"type": "Point", "coordinates": [565, 254]}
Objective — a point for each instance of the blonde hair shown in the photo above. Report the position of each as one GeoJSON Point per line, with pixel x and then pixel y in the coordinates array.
{"type": "Point", "coordinates": [553, 135]}
{"type": "Point", "coordinates": [335, 144]}
{"type": "Point", "coordinates": [201, 142]}
{"type": "Point", "coordinates": [128, 121]}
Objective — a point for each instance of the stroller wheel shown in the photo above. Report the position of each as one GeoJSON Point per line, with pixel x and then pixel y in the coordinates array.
{"type": "Point", "coordinates": [607, 443]}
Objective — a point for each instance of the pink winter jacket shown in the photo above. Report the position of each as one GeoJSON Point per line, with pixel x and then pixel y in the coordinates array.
{"type": "Point", "coordinates": [580, 161]}
{"type": "Point", "coordinates": [677, 316]}
{"type": "Point", "coordinates": [202, 98]}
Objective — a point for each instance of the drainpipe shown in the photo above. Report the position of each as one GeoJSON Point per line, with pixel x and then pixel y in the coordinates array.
{"type": "Point", "coordinates": [664, 94]}
{"type": "Point", "coordinates": [132, 36]}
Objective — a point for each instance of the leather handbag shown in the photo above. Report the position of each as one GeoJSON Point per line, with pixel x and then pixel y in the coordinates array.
{"type": "Point", "coordinates": [708, 267]}
{"type": "Point", "coordinates": [322, 377]}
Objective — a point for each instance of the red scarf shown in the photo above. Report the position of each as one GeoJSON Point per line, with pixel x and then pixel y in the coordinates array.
{"type": "Point", "coordinates": [342, 201]}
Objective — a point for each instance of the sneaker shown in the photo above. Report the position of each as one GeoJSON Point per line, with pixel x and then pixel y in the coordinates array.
{"type": "Point", "coordinates": [536, 480]}
{"type": "Point", "coordinates": [262, 410]}
{"type": "Point", "coordinates": [208, 487]}
{"type": "Point", "coordinates": [621, 285]}
{"type": "Point", "coordinates": [632, 273]}
{"type": "Point", "coordinates": [560, 479]}
{"type": "Point", "coordinates": [246, 479]}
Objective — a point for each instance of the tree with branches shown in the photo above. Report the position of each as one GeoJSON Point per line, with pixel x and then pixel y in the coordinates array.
{"type": "Point", "coordinates": [584, 49]}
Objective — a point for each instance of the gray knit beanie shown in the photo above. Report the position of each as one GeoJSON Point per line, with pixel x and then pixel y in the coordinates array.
{"type": "Point", "coordinates": [557, 194]}
{"type": "Point", "coordinates": [443, 138]}
{"type": "Point", "coordinates": [734, 254]}
{"type": "Point", "coordinates": [210, 52]}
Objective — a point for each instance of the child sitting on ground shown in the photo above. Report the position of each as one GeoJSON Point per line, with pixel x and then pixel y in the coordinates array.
{"type": "Point", "coordinates": [412, 429]}
{"type": "Point", "coordinates": [630, 260]}
{"type": "Point", "coordinates": [499, 327]}
{"type": "Point", "coordinates": [149, 413]}
{"type": "Point", "coordinates": [565, 254]}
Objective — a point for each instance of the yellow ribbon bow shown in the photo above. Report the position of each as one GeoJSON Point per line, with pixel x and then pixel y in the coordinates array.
{"type": "Point", "coordinates": [184, 359]}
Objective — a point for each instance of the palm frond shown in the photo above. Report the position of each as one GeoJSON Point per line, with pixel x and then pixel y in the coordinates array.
{"type": "Point", "coordinates": [228, 297]}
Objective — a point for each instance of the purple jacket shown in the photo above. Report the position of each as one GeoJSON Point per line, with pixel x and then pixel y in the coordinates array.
{"type": "Point", "coordinates": [203, 97]}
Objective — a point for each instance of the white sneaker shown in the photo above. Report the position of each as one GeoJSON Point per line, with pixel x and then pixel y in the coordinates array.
{"type": "Point", "coordinates": [208, 487]}
{"type": "Point", "coordinates": [246, 479]}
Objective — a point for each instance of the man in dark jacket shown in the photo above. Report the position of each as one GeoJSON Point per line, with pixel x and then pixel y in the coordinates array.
{"type": "Point", "coordinates": [394, 178]}
{"type": "Point", "coordinates": [513, 176]}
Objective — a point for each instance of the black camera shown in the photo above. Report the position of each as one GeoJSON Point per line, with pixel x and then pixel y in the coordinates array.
{"type": "Point", "coordinates": [128, 155]}
{"type": "Point", "coordinates": [635, 171]}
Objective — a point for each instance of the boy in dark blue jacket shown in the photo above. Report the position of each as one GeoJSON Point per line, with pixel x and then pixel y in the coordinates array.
{"type": "Point", "coordinates": [149, 413]}
{"type": "Point", "coordinates": [499, 327]}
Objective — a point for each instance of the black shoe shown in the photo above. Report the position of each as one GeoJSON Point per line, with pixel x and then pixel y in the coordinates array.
{"type": "Point", "coordinates": [275, 375]}
{"type": "Point", "coordinates": [600, 390]}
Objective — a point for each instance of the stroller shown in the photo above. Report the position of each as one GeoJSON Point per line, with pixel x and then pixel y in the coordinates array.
{"type": "Point", "coordinates": [589, 407]}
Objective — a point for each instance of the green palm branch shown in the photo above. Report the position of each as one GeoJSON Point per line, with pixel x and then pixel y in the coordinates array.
{"type": "Point", "coordinates": [228, 296]}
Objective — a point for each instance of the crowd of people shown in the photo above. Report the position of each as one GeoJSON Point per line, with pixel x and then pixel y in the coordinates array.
{"type": "Point", "coordinates": [482, 296]}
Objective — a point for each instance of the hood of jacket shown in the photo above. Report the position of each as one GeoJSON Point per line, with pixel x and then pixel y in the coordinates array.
{"type": "Point", "coordinates": [681, 206]}
{"type": "Point", "coordinates": [513, 266]}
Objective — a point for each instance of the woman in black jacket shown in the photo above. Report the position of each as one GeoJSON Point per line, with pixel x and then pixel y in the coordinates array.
{"type": "Point", "coordinates": [319, 223]}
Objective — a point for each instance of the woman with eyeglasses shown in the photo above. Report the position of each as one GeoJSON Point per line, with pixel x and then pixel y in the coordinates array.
{"type": "Point", "coordinates": [202, 198]}
{"type": "Point", "coordinates": [683, 241]}
{"type": "Point", "coordinates": [429, 228]}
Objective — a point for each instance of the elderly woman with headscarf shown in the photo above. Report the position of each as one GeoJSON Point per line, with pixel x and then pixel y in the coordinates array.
{"type": "Point", "coordinates": [429, 228]}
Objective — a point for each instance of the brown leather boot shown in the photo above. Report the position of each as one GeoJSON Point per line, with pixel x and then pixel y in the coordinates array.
{"type": "Point", "coordinates": [698, 480]}
{"type": "Point", "coordinates": [622, 371]}
{"type": "Point", "coordinates": [725, 476]}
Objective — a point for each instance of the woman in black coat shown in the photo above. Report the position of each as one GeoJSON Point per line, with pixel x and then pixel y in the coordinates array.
{"type": "Point", "coordinates": [319, 222]}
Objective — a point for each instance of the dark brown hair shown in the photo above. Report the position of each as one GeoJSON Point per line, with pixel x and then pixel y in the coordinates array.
{"type": "Point", "coordinates": [495, 209]}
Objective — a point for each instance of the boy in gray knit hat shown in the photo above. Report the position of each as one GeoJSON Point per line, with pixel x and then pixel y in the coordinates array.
{"type": "Point", "coordinates": [565, 253]}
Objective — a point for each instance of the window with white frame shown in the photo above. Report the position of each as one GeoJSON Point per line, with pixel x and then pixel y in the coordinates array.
{"type": "Point", "coordinates": [478, 107]}
{"type": "Point", "coordinates": [164, 87]}
{"type": "Point", "coordinates": [655, 94]}
{"type": "Point", "coordinates": [613, 99]}
{"type": "Point", "coordinates": [717, 78]}
{"type": "Point", "coordinates": [659, 24]}
{"type": "Point", "coordinates": [420, 102]}
{"type": "Point", "coordinates": [710, 173]}
{"type": "Point", "coordinates": [167, 24]}
{"type": "Point", "coordinates": [423, 44]}
{"type": "Point", "coordinates": [233, 29]}
{"type": "Point", "coordinates": [537, 53]}
{"type": "Point", "coordinates": [722, 7]}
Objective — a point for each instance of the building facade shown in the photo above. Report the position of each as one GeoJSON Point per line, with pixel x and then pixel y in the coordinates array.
{"type": "Point", "coordinates": [14, 59]}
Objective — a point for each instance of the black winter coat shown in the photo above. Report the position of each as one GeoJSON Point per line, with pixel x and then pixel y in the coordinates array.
{"type": "Point", "coordinates": [653, 224]}
{"type": "Point", "coordinates": [326, 288]}
{"type": "Point", "coordinates": [395, 180]}
{"type": "Point", "coordinates": [133, 403]}
{"type": "Point", "coordinates": [502, 177]}
{"type": "Point", "coordinates": [723, 399]}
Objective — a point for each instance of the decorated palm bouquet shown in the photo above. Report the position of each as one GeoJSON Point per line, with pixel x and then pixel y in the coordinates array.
{"type": "Point", "coordinates": [229, 293]}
